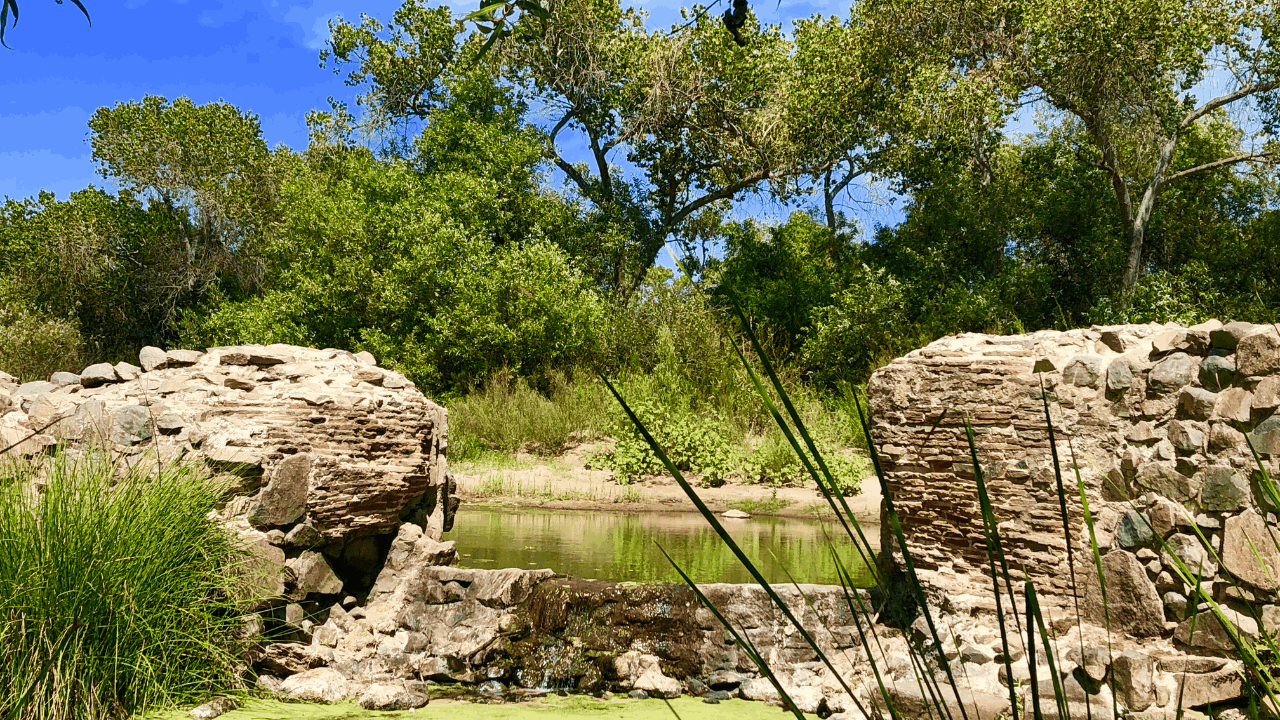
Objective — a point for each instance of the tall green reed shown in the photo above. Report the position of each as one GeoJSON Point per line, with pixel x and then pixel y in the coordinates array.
{"type": "Point", "coordinates": [115, 595]}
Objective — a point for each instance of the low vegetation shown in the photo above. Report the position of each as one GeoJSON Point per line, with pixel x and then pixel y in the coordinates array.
{"type": "Point", "coordinates": [114, 588]}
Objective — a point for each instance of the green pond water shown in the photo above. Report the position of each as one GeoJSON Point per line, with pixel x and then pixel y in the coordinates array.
{"type": "Point", "coordinates": [622, 546]}
{"type": "Point", "coordinates": [683, 708]}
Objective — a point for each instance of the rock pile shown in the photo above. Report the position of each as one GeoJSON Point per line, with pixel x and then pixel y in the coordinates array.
{"type": "Point", "coordinates": [327, 454]}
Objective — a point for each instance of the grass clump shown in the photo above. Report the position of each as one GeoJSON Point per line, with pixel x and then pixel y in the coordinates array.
{"type": "Point", "coordinates": [508, 415]}
{"type": "Point", "coordinates": [114, 596]}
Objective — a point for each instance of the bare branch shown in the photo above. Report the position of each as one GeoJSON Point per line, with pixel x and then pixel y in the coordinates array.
{"type": "Point", "coordinates": [1224, 162]}
{"type": "Point", "coordinates": [1243, 92]}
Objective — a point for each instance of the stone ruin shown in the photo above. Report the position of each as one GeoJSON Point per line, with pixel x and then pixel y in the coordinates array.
{"type": "Point", "coordinates": [1155, 419]}
{"type": "Point", "coordinates": [327, 453]}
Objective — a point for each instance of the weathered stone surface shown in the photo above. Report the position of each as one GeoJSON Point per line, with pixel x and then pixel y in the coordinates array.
{"type": "Point", "coordinates": [1163, 478]}
{"type": "Point", "coordinates": [322, 685]}
{"type": "Point", "coordinates": [1266, 436]}
{"type": "Point", "coordinates": [233, 357]}
{"type": "Point", "coordinates": [214, 708]}
{"type": "Point", "coordinates": [1197, 691]}
{"type": "Point", "coordinates": [1172, 373]}
{"type": "Point", "coordinates": [152, 358]}
{"type": "Point", "coordinates": [1083, 370]}
{"type": "Point", "coordinates": [314, 575]}
{"type": "Point", "coordinates": [132, 424]}
{"type": "Point", "coordinates": [1133, 604]}
{"type": "Point", "coordinates": [364, 357]}
{"type": "Point", "coordinates": [1249, 551]}
{"type": "Point", "coordinates": [1217, 372]}
{"type": "Point", "coordinates": [1134, 676]}
{"type": "Point", "coordinates": [1234, 405]}
{"type": "Point", "coordinates": [1193, 555]}
{"type": "Point", "coordinates": [99, 374]}
{"type": "Point", "coordinates": [127, 371]}
{"type": "Point", "coordinates": [1206, 631]}
{"type": "Point", "coordinates": [1187, 436]}
{"type": "Point", "coordinates": [261, 573]}
{"type": "Point", "coordinates": [1223, 489]}
{"type": "Point", "coordinates": [1119, 376]}
{"type": "Point", "coordinates": [267, 357]}
{"type": "Point", "coordinates": [284, 500]}
{"type": "Point", "coordinates": [1259, 353]}
{"type": "Point", "coordinates": [1134, 530]}
{"type": "Point", "coordinates": [388, 696]}
{"type": "Point", "coordinates": [63, 379]}
{"type": "Point", "coordinates": [1229, 335]}
{"type": "Point", "coordinates": [1266, 395]}
{"type": "Point", "coordinates": [182, 358]}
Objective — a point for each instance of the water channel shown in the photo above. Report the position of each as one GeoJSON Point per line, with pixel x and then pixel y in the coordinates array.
{"type": "Point", "coordinates": [621, 546]}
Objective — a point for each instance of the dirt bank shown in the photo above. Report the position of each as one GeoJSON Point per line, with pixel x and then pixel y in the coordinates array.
{"type": "Point", "coordinates": [565, 483]}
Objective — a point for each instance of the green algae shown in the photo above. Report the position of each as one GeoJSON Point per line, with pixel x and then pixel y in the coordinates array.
{"type": "Point", "coordinates": [574, 706]}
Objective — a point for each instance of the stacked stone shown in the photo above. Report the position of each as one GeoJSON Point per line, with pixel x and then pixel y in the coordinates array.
{"type": "Point", "coordinates": [326, 453]}
{"type": "Point", "coordinates": [1154, 418]}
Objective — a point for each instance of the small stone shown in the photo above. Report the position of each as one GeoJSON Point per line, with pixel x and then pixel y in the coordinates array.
{"type": "Point", "coordinates": [1265, 438]}
{"type": "Point", "coordinates": [1165, 516]}
{"type": "Point", "coordinates": [1114, 340]}
{"type": "Point", "coordinates": [323, 685]}
{"type": "Point", "coordinates": [1223, 489]}
{"type": "Point", "coordinates": [170, 424]}
{"type": "Point", "coordinates": [1083, 370]}
{"type": "Point", "coordinates": [1223, 436]}
{"type": "Point", "coordinates": [99, 374]}
{"type": "Point", "coordinates": [183, 358]}
{"type": "Point", "coordinates": [294, 615]}
{"type": "Point", "coordinates": [371, 376]}
{"type": "Point", "coordinates": [1143, 432]}
{"type": "Point", "coordinates": [1176, 603]}
{"type": "Point", "coordinates": [1234, 405]}
{"type": "Point", "coordinates": [394, 381]}
{"type": "Point", "coordinates": [1134, 679]}
{"type": "Point", "coordinates": [63, 379]}
{"type": "Point", "coordinates": [236, 383]}
{"type": "Point", "coordinates": [152, 358]}
{"type": "Point", "coordinates": [127, 371]}
{"type": "Point", "coordinates": [1172, 373]}
{"type": "Point", "coordinates": [976, 654]}
{"type": "Point", "coordinates": [388, 696]}
{"type": "Point", "coordinates": [1188, 549]}
{"type": "Point", "coordinates": [1259, 353]}
{"type": "Point", "coordinates": [1134, 530]}
{"type": "Point", "coordinates": [1186, 436]}
{"type": "Point", "coordinates": [233, 358]}
{"type": "Point", "coordinates": [1163, 479]}
{"type": "Point", "coordinates": [214, 708]}
{"type": "Point", "coordinates": [1119, 376]}
{"type": "Point", "coordinates": [1228, 336]}
{"type": "Point", "coordinates": [263, 358]}
{"type": "Point", "coordinates": [491, 688]}
{"type": "Point", "coordinates": [365, 357]}
{"type": "Point", "coordinates": [1217, 372]}
{"type": "Point", "coordinates": [1249, 551]}
{"type": "Point", "coordinates": [638, 695]}
{"type": "Point", "coordinates": [314, 574]}
{"type": "Point", "coordinates": [303, 535]}
{"type": "Point", "coordinates": [1266, 395]}
{"type": "Point", "coordinates": [735, 514]}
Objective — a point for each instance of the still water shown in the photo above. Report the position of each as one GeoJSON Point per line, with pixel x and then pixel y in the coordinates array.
{"type": "Point", "coordinates": [622, 546]}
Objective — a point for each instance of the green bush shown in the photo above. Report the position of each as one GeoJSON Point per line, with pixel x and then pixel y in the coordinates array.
{"type": "Point", "coordinates": [509, 415]}
{"type": "Point", "coordinates": [695, 443]}
{"type": "Point", "coordinates": [32, 347]}
{"type": "Point", "coordinates": [114, 596]}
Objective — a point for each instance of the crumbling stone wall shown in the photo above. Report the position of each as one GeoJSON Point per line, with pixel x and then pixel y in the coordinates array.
{"type": "Point", "coordinates": [331, 453]}
{"type": "Point", "coordinates": [1153, 417]}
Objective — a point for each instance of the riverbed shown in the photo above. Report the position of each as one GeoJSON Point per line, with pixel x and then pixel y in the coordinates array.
{"type": "Point", "coordinates": [624, 546]}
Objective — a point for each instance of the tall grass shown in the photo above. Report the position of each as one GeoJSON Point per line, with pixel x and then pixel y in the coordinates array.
{"type": "Point", "coordinates": [114, 591]}
{"type": "Point", "coordinates": [933, 674]}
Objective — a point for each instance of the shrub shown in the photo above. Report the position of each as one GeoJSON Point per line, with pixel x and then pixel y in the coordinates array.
{"type": "Point", "coordinates": [113, 591]}
{"type": "Point", "coordinates": [510, 415]}
{"type": "Point", "coordinates": [695, 443]}
{"type": "Point", "coordinates": [32, 346]}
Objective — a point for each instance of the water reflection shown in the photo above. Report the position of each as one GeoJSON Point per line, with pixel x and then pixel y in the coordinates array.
{"type": "Point", "coordinates": [620, 546]}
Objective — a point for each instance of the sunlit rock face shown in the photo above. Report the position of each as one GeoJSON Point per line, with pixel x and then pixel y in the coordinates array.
{"type": "Point", "coordinates": [327, 454]}
{"type": "Point", "coordinates": [1153, 418]}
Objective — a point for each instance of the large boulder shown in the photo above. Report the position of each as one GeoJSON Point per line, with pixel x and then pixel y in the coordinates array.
{"type": "Point", "coordinates": [1132, 604]}
{"type": "Point", "coordinates": [1250, 552]}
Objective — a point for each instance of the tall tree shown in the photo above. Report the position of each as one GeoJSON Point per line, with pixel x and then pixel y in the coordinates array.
{"type": "Point", "coordinates": [1138, 76]}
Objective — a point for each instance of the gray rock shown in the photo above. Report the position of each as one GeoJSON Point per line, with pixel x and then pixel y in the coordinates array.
{"type": "Point", "coordinates": [1133, 674]}
{"type": "Point", "coordinates": [322, 685]}
{"type": "Point", "coordinates": [1234, 405]}
{"type": "Point", "coordinates": [388, 696]}
{"type": "Point", "coordinates": [1266, 436]}
{"type": "Point", "coordinates": [1197, 404]}
{"type": "Point", "coordinates": [152, 358]}
{"type": "Point", "coordinates": [233, 358]}
{"type": "Point", "coordinates": [1134, 530]}
{"type": "Point", "coordinates": [303, 535]}
{"type": "Point", "coordinates": [1223, 436]}
{"type": "Point", "coordinates": [1119, 376]}
{"type": "Point", "coordinates": [371, 376]}
{"type": "Point", "coordinates": [1113, 339]}
{"type": "Point", "coordinates": [1222, 489]}
{"type": "Point", "coordinates": [1176, 604]}
{"type": "Point", "coordinates": [1083, 370]}
{"type": "Point", "coordinates": [1187, 436]}
{"type": "Point", "coordinates": [1217, 372]}
{"type": "Point", "coordinates": [132, 424]}
{"type": "Point", "coordinates": [284, 499]}
{"type": "Point", "coordinates": [1188, 549]}
{"type": "Point", "coordinates": [183, 358]}
{"type": "Point", "coordinates": [1163, 478]}
{"type": "Point", "coordinates": [1229, 335]}
{"type": "Point", "coordinates": [638, 695]}
{"type": "Point", "coordinates": [1132, 602]}
{"type": "Point", "coordinates": [314, 574]}
{"type": "Point", "coordinates": [127, 371]}
{"type": "Point", "coordinates": [63, 379]}
{"type": "Point", "coordinates": [976, 654]}
{"type": "Point", "coordinates": [1249, 551]}
{"type": "Point", "coordinates": [99, 374]}
{"type": "Point", "coordinates": [1165, 516]}
{"type": "Point", "coordinates": [261, 573]}
{"type": "Point", "coordinates": [214, 708]}
{"type": "Point", "coordinates": [1172, 373]}
{"type": "Point", "coordinates": [1266, 394]}
{"type": "Point", "coordinates": [1143, 432]}
{"type": "Point", "coordinates": [1210, 634]}
{"type": "Point", "coordinates": [395, 381]}
{"type": "Point", "coordinates": [170, 424]}
{"type": "Point", "coordinates": [1259, 353]}
{"type": "Point", "coordinates": [365, 357]}
{"type": "Point", "coordinates": [491, 688]}
{"type": "Point", "coordinates": [1197, 691]}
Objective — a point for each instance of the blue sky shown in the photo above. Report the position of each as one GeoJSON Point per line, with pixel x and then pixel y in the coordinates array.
{"type": "Point", "coordinates": [261, 55]}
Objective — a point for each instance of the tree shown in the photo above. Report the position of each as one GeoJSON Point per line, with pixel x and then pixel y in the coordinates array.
{"type": "Point", "coordinates": [1136, 75]}
{"type": "Point", "coordinates": [11, 6]}
{"type": "Point", "coordinates": [674, 124]}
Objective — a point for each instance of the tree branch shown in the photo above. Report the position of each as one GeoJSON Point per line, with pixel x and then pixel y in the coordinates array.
{"type": "Point", "coordinates": [1224, 162]}
{"type": "Point", "coordinates": [1221, 100]}
{"type": "Point", "coordinates": [723, 193]}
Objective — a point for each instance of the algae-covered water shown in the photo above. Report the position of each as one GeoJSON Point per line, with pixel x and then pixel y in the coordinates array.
{"type": "Point", "coordinates": [621, 546]}
{"type": "Point", "coordinates": [683, 708]}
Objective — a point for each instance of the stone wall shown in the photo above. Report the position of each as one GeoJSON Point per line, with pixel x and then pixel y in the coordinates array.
{"type": "Point", "coordinates": [1154, 418]}
{"type": "Point", "coordinates": [328, 453]}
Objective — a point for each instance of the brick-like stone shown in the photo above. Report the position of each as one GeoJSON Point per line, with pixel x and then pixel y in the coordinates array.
{"type": "Point", "coordinates": [1172, 373]}
{"type": "Point", "coordinates": [1259, 353]}
{"type": "Point", "coordinates": [1250, 552]}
